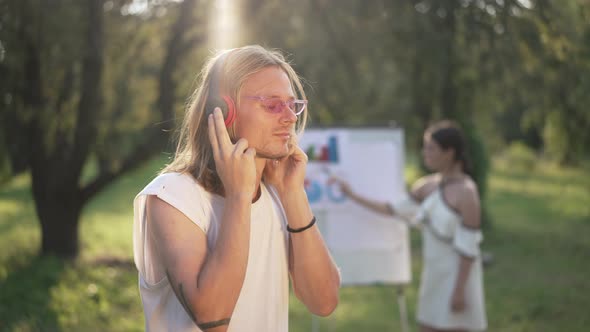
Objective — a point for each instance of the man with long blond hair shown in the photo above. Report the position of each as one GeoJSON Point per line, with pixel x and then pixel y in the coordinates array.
{"type": "Point", "coordinates": [219, 231]}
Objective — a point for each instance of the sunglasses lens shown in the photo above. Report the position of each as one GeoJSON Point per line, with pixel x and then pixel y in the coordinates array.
{"type": "Point", "coordinates": [276, 105]}
{"type": "Point", "coordinates": [273, 105]}
{"type": "Point", "coordinates": [298, 107]}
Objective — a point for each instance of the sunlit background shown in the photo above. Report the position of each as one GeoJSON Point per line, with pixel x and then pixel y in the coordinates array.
{"type": "Point", "coordinates": [225, 25]}
{"type": "Point", "coordinates": [92, 90]}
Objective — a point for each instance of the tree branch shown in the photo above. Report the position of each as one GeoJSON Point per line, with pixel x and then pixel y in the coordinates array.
{"type": "Point", "coordinates": [91, 95]}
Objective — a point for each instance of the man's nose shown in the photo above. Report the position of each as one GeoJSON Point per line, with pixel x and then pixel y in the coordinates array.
{"type": "Point", "coordinates": [288, 114]}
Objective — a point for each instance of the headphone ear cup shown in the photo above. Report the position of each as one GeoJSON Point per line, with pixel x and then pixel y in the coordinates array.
{"type": "Point", "coordinates": [230, 115]}
{"type": "Point", "coordinates": [220, 102]}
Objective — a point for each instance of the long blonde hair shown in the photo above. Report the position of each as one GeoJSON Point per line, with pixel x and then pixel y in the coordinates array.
{"type": "Point", "coordinates": [193, 152]}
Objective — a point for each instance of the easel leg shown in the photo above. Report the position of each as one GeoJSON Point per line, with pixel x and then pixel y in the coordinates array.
{"type": "Point", "coordinates": [315, 323]}
{"type": "Point", "coordinates": [403, 313]}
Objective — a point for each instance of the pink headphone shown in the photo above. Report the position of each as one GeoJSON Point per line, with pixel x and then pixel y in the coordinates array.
{"type": "Point", "coordinates": [215, 98]}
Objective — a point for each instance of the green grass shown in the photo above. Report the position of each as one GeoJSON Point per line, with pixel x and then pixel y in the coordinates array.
{"type": "Point", "coordinates": [538, 280]}
{"type": "Point", "coordinates": [540, 238]}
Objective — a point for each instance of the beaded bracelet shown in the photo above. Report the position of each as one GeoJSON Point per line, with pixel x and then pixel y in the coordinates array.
{"type": "Point", "coordinates": [298, 230]}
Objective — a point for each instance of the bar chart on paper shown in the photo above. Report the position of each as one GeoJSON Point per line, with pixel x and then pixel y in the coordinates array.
{"type": "Point", "coordinates": [368, 247]}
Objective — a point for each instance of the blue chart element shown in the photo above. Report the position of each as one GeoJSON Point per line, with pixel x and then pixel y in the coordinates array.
{"type": "Point", "coordinates": [333, 149]}
{"type": "Point", "coordinates": [313, 191]}
{"type": "Point", "coordinates": [335, 195]}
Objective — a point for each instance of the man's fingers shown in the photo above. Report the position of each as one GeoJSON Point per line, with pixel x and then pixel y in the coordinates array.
{"type": "Point", "coordinates": [241, 146]}
{"type": "Point", "coordinates": [221, 131]}
{"type": "Point", "coordinates": [298, 153]}
{"type": "Point", "coordinates": [250, 153]}
{"type": "Point", "coordinates": [213, 136]}
{"type": "Point", "coordinates": [294, 140]}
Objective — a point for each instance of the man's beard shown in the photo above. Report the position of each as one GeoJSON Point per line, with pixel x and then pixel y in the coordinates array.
{"type": "Point", "coordinates": [267, 155]}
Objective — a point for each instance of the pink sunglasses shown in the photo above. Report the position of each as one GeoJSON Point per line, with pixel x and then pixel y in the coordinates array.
{"type": "Point", "coordinates": [275, 105]}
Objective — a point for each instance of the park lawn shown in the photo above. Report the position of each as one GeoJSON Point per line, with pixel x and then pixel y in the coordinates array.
{"type": "Point", "coordinates": [538, 280]}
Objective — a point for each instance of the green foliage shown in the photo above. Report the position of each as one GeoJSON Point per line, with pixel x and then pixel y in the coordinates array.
{"type": "Point", "coordinates": [512, 70]}
{"type": "Point", "coordinates": [520, 157]}
{"type": "Point", "coordinates": [5, 172]}
{"type": "Point", "coordinates": [558, 64]}
{"type": "Point", "coordinates": [480, 167]}
{"type": "Point", "coordinates": [517, 72]}
{"type": "Point", "coordinates": [505, 66]}
{"type": "Point", "coordinates": [87, 79]}
{"type": "Point", "coordinates": [479, 159]}
{"type": "Point", "coordinates": [561, 145]}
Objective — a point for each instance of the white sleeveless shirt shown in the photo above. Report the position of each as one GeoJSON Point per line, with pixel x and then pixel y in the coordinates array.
{"type": "Point", "coordinates": [263, 303]}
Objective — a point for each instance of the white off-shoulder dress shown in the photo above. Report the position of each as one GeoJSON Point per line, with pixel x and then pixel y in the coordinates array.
{"type": "Point", "coordinates": [445, 238]}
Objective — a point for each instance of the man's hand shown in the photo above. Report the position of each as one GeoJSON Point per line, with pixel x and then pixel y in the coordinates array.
{"type": "Point", "coordinates": [287, 173]}
{"type": "Point", "coordinates": [234, 162]}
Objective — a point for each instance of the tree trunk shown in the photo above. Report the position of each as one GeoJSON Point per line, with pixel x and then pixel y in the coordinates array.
{"type": "Point", "coordinates": [448, 104]}
{"type": "Point", "coordinates": [58, 204]}
{"type": "Point", "coordinates": [421, 101]}
{"type": "Point", "coordinates": [59, 229]}
{"type": "Point", "coordinates": [55, 172]}
{"type": "Point", "coordinates": [57, 154]}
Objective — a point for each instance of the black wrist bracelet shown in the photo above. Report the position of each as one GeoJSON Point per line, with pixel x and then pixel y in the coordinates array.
{"type": "Point", "coordinates": [298, 230]}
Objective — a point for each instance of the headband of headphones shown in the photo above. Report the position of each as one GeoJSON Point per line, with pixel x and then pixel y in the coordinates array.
{"type": "Point", "coordinates": [215, 98]}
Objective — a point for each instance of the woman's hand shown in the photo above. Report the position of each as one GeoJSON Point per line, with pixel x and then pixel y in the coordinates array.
{"type": "Point", "coordinates": [234, 162]}
{"type": "Point", "coordinates": [458, 300]}
{"type": "Point", "coordinates": [288, 173]}
{"type": "Point", "coordinates": [343, 185]}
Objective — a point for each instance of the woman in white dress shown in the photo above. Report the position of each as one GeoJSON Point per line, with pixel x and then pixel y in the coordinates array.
{"type": "Point", "coordinates": [445, 205]}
